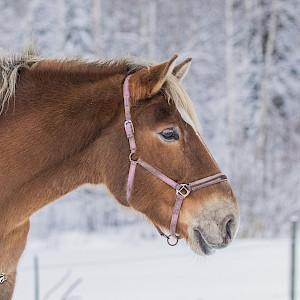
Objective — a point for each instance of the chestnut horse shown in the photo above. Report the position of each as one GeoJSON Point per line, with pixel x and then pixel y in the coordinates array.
{"type": "Point", "coordinates": [62, 125]}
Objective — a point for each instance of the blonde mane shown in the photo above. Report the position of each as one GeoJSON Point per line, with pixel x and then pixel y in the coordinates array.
{"type": "Point", "coordinates": [9, 67]}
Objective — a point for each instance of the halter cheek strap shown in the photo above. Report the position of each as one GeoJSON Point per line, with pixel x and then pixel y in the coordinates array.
{"type": "Point", "coordinates": [182, 190]}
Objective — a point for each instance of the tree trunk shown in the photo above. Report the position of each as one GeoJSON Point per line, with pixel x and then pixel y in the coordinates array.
{"type": "Point", "coordinates": [264, 96]}
{"type": "Point", "coordinates": [97, 25]}
{"type": "Point", "coordinates": [229, 85]}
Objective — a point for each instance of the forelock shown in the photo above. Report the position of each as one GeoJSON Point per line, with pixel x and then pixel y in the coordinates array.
{"type": "Point", "coordinates": [175, 92]}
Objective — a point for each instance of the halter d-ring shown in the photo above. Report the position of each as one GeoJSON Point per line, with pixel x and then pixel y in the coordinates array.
{"type": "Point", "coordinates": [130, 156]}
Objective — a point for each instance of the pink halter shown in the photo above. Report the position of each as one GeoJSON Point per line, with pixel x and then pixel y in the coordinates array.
{"type": "Point", "coordinates": [182, 190]}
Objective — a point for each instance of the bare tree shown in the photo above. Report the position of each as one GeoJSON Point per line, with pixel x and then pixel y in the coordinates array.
{"type": "Point", "coordinates": [230, 83]}
{"type": "Point", "coordinates": [264, 97]}
{"type": "Point", "coordinates": [97, 10]}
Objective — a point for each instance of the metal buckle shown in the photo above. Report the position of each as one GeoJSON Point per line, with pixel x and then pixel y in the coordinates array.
{"type": "Point", "coordinates": [129, 122]}
{"type": "Point", "coordinates": [183, 190]}
{"type": "Point", "coordinates": [2, 277]}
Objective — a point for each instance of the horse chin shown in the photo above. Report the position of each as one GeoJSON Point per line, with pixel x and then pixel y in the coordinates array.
{"type": "Point", "coordinates": [198, 244]}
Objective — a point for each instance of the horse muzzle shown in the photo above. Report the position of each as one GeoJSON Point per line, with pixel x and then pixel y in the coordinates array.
{"type": "Point", "coordinates": [213, 229]}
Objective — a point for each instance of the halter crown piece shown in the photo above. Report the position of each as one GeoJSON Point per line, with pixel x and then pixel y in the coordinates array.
{"type": "Point", "coordinates": [182, 190]}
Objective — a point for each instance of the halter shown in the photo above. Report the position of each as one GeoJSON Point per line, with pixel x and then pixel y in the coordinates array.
{"type": "Point", "coordinates": [3, 278]}
{"type": "Point", "coordinates": [182, 189]}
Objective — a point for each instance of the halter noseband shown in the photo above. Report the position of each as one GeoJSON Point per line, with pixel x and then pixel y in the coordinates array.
{"type": "Point", "coordinates": [182, 190]}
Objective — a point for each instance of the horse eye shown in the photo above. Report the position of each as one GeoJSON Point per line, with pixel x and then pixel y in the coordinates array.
{"type": "Point", "coordinates": [170, 134]}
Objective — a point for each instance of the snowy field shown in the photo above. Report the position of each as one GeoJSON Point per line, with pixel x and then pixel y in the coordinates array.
{"type": "Point", "coordinates": [126, 266]}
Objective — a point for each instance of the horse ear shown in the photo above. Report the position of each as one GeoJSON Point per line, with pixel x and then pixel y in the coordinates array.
{"type": "Point", "coordinates": [147, 82]}
{"type": "Point", "coordinates": [181, 70]}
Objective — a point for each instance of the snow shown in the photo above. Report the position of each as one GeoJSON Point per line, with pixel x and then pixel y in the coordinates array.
{"type": "Point", "coordinates": [122, 265]}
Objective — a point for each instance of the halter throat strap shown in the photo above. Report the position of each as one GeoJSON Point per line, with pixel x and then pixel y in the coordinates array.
{"type": "Point", "coordinates": [182, 190]}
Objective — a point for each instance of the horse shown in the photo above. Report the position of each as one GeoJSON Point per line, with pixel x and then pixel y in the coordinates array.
{"type": "Point", "coordinates": [62, 126]}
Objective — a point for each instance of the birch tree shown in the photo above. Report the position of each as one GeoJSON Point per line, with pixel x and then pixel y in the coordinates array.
{"type": "Point", "coordinates": [97, 14]}
{"type": "Point", "coordinates": [147, 28]}
{"type": "Point", "coordinates": [268, 44]}
{"type": "Point", "coordinates": [230, 84]}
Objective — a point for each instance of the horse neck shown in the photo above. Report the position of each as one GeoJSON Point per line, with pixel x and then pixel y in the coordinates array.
{"type": "Point", "coordinates": [75, 110]}
{"type": "Point", "coordinates": [54, 122]}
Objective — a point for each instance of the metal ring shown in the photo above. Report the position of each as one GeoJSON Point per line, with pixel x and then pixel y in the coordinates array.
{"type": "Point", "coordinates": [130, 157]}
{"type": "Point", "coordinates": [183, 190]}
{"type": "Point", "coordinates": [169, 243]}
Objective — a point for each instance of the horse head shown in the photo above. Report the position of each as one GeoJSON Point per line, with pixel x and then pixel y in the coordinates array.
{"type": "Point", "coordinates": [167, 137]}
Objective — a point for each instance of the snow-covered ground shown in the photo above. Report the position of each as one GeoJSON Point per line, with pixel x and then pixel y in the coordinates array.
{"type": "Point", "coordinates": [126, 266]}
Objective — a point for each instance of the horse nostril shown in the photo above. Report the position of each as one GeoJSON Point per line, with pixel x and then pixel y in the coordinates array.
{"type": "Point", "coordinates": [229, 228]}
